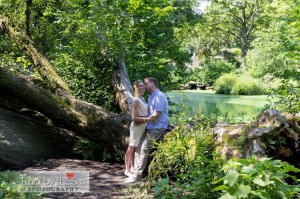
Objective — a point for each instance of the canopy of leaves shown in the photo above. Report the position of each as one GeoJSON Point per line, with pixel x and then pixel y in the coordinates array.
{"type": "Point", "coordinates": [84, 39]}
{"type": "Point", "coordinates": [275, 50]}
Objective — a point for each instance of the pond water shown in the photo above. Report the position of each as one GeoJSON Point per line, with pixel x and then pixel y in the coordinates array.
{"type": "Point", "coordinates": [231, 108]}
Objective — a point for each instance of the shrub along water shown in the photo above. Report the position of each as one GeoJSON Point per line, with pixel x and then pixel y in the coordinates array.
{"type": "Point", "coordinates": [225, 83]}
{"type": "Point", "coordinates": [232, 84]}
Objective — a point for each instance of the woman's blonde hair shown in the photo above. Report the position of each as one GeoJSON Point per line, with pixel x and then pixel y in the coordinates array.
{"type": "Point", "coordinates": [135, 84]}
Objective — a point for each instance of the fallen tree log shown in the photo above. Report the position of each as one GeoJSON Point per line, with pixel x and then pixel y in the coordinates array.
{"type": "Point", "coordinates": [84, 119]}
{"type": "Point", "coordinates": [24, 141]}
{"type": "Point", "coordinates": [41, 63]}
{"type": "Point", "coordinates": [120, 79]}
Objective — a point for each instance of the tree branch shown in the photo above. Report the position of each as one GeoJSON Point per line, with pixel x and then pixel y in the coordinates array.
{"type": "Point", "coordinates": [24, 43]}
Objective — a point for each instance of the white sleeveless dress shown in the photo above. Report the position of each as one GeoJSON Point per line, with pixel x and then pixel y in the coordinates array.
{"type": "Point", "coordinates": [136, 132]}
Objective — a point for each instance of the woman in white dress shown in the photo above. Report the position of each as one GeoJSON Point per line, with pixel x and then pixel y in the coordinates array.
{"type": "Point", "coordinates": [139, 113]}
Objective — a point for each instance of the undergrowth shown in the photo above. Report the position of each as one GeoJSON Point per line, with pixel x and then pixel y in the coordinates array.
{"type": "Point", "coordinates": [11, 186]}
{"type": "Point", "coordinates": [186, 165]}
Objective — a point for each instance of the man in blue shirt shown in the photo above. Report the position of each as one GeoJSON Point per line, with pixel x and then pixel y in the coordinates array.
{"type": "Point", "coordinates": [156, 128]}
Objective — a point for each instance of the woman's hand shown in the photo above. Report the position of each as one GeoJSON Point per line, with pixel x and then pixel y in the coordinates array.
{"type": "Point", "coordinates": [137, 123]}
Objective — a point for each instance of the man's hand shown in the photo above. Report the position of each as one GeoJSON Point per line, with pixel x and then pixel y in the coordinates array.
{"type": "Point", "coordinates": [137, 123]}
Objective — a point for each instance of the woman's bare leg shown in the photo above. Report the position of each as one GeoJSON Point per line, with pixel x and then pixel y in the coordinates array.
{"type": "Point", "coordinates": [129, 158]}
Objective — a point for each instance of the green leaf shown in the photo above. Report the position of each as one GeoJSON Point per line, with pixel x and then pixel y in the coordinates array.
{"type": "Point", "coordinates": [217, 181]}
{"type": "Point", "coordinates": [165, 181]}
{"type": "Point", "coordinates": [281, 194]}
{"type": "Point", "coordinates": [157, 189]}
{"type": "Point", "coordinates": [231, 177]}
{"type": "Point", "coordinates": [263, 183]}
{"type": "Point", "coordinates": [259, 182]}
{"type": "Point", "coordinates": [231, 164]}
{"type": "Point", "coordinates": [221, 187]}
{"type": "Point", "coordinates": [228, 196]}
{"type": "Point", "coordinates": [257, 193]}
{"type": "Point", "coordinates": [248, 169]}
{"type": "Point", "coordinates": [288, 167]}
{"type": "Point", "coordinates": [263, 159]}
{"type": "Point", "coordinates": [242, 191]}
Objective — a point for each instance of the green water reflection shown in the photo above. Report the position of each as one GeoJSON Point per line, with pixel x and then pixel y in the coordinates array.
{"type": "Point", "coordinates": [234, 107]}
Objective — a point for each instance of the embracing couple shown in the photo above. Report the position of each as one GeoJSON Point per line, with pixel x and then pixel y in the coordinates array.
{"type": "Point", "coordinates": [149, 123]}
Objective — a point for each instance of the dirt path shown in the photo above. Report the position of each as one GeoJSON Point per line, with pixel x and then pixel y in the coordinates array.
{"type": "Point", "coordinates": [106, 180]}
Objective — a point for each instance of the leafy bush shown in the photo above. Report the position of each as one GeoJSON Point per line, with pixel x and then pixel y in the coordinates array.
{"type": "Point", "coordinates": [225, 83]}
{"type": "Point", "coordinates": [286, 97]}
{"type": "Point", "coordinates": [209, 71]}
{"type": "Point", "coordinates": [185, 163]}
{"type": "Point", "coordinates": [88, 149]}
{"type": "Point", "coordinates": [246, 87]}
{"type": "Point", "coordinates": [238, 85]}
{"type": "Point", "coordinates": [213, 69]}
{"type": "Point", "coordinates": [10, 186]}
{"type": "Point", "coordinates": [195, 74]}
{"type": "Point", "coordinates": [257, 178]}
{"type": "Point", "coordinates": [269, 83]}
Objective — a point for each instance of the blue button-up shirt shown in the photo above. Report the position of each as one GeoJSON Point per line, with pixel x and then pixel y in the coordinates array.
{"type": "Point", "coordinates": [158, 101]}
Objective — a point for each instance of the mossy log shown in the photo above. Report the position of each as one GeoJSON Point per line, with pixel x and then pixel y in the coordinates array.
{"type": "Point", "coordinates": [84, 119]}
{"type": "Point", "coordinates": [41, 63]}
{"type": "Point", "coordinates": [24, 141]}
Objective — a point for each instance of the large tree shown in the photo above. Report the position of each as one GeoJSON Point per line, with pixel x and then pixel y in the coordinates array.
{"type": "Point", "coordinates": [230, 24]}
{"type": "Point", "coordinates": [89, 42]}
{"type": "Point", "coordinates": [275, 47]}
{"type": "Point", "coordinates": [65, 111]}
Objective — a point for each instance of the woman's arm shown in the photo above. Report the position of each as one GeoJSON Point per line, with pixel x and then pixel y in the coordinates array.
{"type": "Point", "coordinates": [152, 117]}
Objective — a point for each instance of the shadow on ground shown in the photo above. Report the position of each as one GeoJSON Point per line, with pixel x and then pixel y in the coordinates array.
{"type": "Point", "coordinates": [106, 180]}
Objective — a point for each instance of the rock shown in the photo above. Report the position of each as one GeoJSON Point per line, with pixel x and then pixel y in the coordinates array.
{"type": "Point", "coordinates": [260, 132]}
{"type": "Point", "coordinates": [192, 85]}
{"type": "Point", "coordinates": [273, 134]}
{"type": "Point", "coordinates": [232, 132]}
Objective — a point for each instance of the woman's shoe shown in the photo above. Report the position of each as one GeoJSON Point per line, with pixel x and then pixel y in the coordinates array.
{"type": "Point", "coordinates": [128, 173]}
{"type": "Point", "coordinates": [133, 178]}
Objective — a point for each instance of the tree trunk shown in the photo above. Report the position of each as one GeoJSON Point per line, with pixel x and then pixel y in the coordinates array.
{"type": "Point", "coordinates": [122, 85]}
{"type": "Point", "coordinates": [84, 119]}
{"type": "Point", "coordinates": [24, 140]}
{"type": "Point", "coordinates": [24, 43]}
{"type": "Point", "coordinates": [28, 14]}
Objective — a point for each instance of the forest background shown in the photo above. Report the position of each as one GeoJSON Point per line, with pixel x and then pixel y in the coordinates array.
{"type": "Point", "coordinates": [241, 47]}
{"type": "Point", "coordinates": [255, 43]}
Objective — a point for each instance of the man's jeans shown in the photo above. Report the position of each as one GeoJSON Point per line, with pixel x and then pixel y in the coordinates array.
{"type": "Point", "coordinates": [143, 150]}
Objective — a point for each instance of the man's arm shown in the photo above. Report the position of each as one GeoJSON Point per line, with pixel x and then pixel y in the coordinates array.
{"type": "Point", "coordinates": [155, 115]}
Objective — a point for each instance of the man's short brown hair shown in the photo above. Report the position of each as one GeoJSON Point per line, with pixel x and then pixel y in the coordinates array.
{"type": "Point", "coordinates": [152, 79]}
